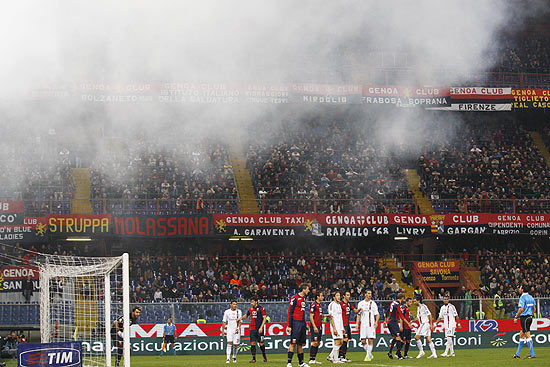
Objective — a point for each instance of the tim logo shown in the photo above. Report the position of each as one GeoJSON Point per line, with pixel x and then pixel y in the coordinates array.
{"type": "Point", "coordinates": [477, 326]}
{"type": "Point", "coordinates": [55, 356]}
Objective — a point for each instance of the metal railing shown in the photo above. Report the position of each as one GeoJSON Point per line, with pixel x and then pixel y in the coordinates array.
{"type": "Point", "coordinates": [35, 208]}
{"type": "Point", "coordinates": [212, 312]}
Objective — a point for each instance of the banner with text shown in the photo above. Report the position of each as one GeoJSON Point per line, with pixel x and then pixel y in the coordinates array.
{"type": "Point", "coordinates": [12, 212]}
{"type": "Point", "coordinates": [206, 339]}
{"type": "Point", "coordinates": [162, 226]}
{"type": "Point", "coordinates": [33, 229]}
{"type": "Point", "coordinates": [531, 98]}
{"type": "Point", "coordinates": [439, 273]}
{"type": "Point", "coordinates": [406, 96]}
{"type": "Point", "coordinates": [476, 99]}
{"type": "Point", "coordinates": [325, 94]}
{"type": "Point", "coordinates": [11, 278]}
{"type": "Point", "coordinates": [368, 225]}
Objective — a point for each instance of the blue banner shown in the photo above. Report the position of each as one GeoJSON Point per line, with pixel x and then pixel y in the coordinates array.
{"type": "Point", "coordinates": [65, 354]}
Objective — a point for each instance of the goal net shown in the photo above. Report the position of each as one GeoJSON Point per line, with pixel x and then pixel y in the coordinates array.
{"type": "Point", "coordinates": [80, 297]}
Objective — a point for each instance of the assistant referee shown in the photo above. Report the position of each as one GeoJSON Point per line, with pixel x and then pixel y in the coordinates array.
{"type": "Point", "coordinates": [526, 310]}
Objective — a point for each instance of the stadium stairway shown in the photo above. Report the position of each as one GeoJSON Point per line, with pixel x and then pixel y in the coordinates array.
{"type": "Point", "coordinates": [83, 187]}
{"type": "Point", "coordinates": [395, 269]}
{"type": "Point", "coordinates": [243, 179]}
{"type": "Point", "coordinates": [86, 309]}
{"type": "Point", "coordinates": [543, 150]}
{"type": "Point", "coordinates": [414, 184]}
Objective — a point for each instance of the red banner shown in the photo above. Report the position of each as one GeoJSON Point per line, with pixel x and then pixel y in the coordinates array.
{"type": "Point", "coordinates": [12, 212]}
{"type": "Point", "coordinates": [271, 329]}
{"type": "Point", "coordinates": [12, 207]}
{"type": "Point", "coordinates": [11, 277]}
{"type": "Point", "coordinates": [439, 272]}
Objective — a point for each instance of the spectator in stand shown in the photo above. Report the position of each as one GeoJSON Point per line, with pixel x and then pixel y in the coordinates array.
{"type": "Point", "coordinates": [406, 276]}
{"type": "Point", "coordinates": [158, 295]}
{"type": "Point", "coordinates": [27, 289]}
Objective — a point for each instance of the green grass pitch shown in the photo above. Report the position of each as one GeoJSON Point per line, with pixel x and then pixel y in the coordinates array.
{"type": "Point", "coordinates": [465, 358]}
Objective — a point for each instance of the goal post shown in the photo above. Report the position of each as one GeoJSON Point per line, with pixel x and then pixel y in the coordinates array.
{"type": "Point", "coordinates": [80, 297]}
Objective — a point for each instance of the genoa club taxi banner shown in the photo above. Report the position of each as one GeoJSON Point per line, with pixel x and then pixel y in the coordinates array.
{"type": "Point", "coordinates": [368, 225]}
{"type": "Point", "coordinates": [41, 229]}
{"type": "Point", "coordinates": [439, 272]}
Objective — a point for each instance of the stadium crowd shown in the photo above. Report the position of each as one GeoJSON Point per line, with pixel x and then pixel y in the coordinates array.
{"type": "Point", "coordinates": [526, 54]}
{"type": "Point", "coordinates": [487, 160]}
{"type": "Point", "coordinates": [185, 174]}
{"type": "Point", "coordinates": [269, 275]}
{"type": "Point", "coordinates": [339, 167]}
{"type": "Point", "coordinates": [505, 273]}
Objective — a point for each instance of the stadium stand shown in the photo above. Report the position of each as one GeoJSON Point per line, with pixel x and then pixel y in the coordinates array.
{"type": "Point", "coordinates": [490, 167]}
{"type": "Point", "coordinates": [177, 174]}
{"type": "Point", "coordinates": [335, 166]}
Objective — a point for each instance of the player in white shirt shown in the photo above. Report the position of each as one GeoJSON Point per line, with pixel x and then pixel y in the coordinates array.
{"type": "Point", "coordinates": [231, 318]}
{"type": "Point", "coordinates": [336, 327]}
{"type": "Point", "coordinates": [367, 321]}
{"type": "Point", "coordinates": [425, 328]}
{"type": "Point", "coordinates": [450, 322]}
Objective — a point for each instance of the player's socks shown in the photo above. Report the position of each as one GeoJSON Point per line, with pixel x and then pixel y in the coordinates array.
{"type": "Point", "coordinates": [420, 346]}
{"type": "Point", "coordinates": [313, 353]}
{"type": "Point", "coordinates": [369, 349]}
{"type": "Point", "coordinates": [530, 345]}
{"type": "Point", "coordinates": [334, 353]}
{"type": "Point", "coordinates": [366, 347]}
{"type": "Point", "coordinates": [407, 345]}
{"type": "Point", "coordinates": [228, 350]}
{"type": "Point", "coordinates": [451, 345]}
{"type": "Point", "coordinates": [520, 345]}
{"type": "Point", "coordinates": [253, 351]}
{"type": "Point", "coordinates": [392, 344]}
{"type": "Point", "coordinates": [290, 355]}
{"type": "Point", "coordinates": [300, 358]}
{"type": "Point", "coordinates": [432, 347]}
{"type": "Point", "coordinates": [343, 350]}
{"type": "Point", "coordinates": [262, 348]}
{"type": "Point", "coordinates": [235, 350]}
{"type": "Point", "coordinates": [399, 345]}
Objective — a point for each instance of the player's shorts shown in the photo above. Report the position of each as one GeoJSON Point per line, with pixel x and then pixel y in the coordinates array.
{"type": "Point", "coordinates": [394, 329]}
{"type": "Point", "coordinates": [526, 322]}
{"type": "Point", "coordinates": [424, 330]}
{"type": "Point", "coordinates": [116, 339]}
{"type": "Point", "coordinates": [347, 331]}
{"type": "Point", "coordinates": [233, 337]}
{"type": "Point", "coordinates": [256, 336]}
{"type": "Point", "coordinates": [450, 332]}
{"type": "Point", "coordinates": [339, 333]}
{"type": "Point", "coordinates": [407, 334]}
{"type": "Point", "coordinates": [367, 332]}
{"type": "Point", "coordinates": [316, 336]}
{"type": "Point", "coordinates": [169, 339]}
{"type": "Point", "coordinates": [298, 333]}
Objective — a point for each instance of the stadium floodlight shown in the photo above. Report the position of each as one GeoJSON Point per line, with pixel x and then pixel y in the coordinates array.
{"type": "Point", "coordinates": [80, 297]}
{"type": "Point", "coordinates": [78, 239]}
{"type": "Point", "coordinates": [398, 238]}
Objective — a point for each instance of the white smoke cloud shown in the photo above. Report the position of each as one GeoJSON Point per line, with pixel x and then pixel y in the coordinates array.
{"type": "Point", "coordinates": [63, 44]}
